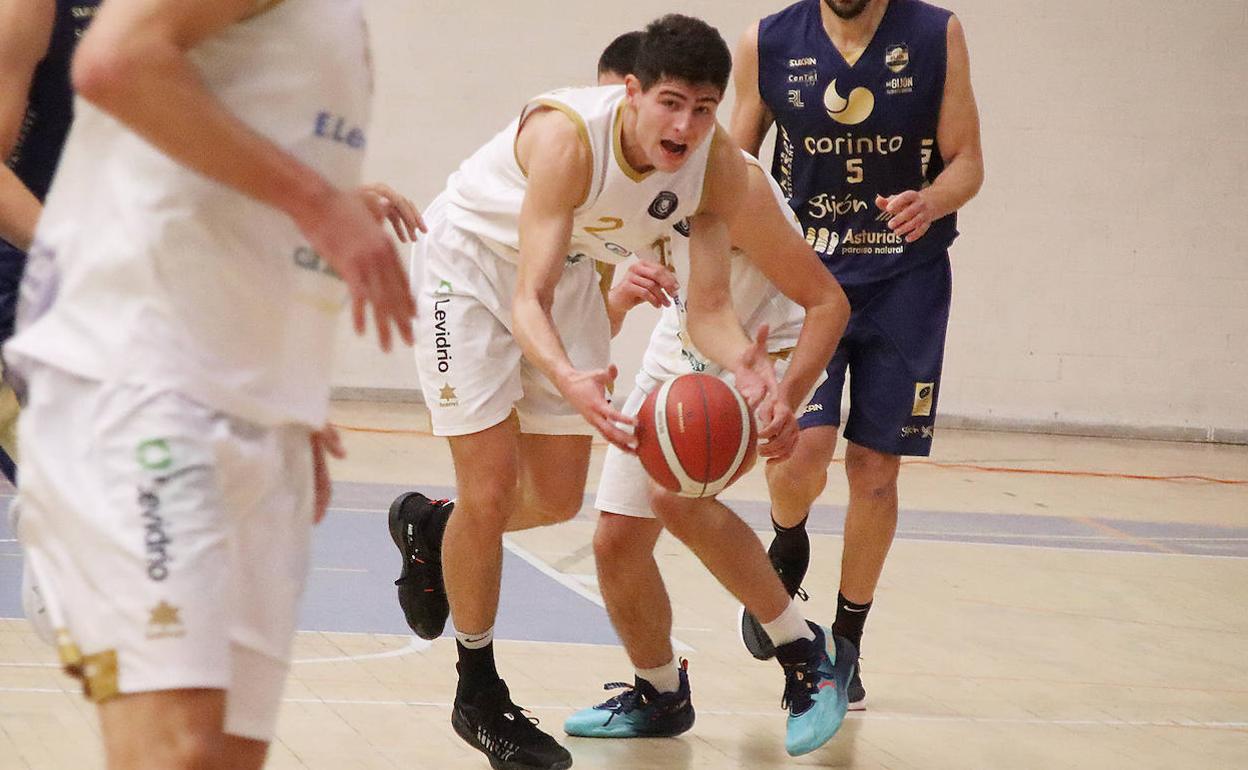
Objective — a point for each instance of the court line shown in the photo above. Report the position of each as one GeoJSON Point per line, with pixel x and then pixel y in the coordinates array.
{"type": "Point", "coordinates": [571, 583]}
{"type": "Point", "coordinates": [1127, 537]}
{"type": "Point", "coordinates": [414, 644]}
{"type": "Point", "coordinates": [883, 716]}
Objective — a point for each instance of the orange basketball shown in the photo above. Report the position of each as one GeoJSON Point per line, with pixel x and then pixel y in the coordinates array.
{"type": "Point", "coordinates": [695, 435]}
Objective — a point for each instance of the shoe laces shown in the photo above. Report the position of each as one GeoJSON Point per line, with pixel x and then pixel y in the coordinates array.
{"type": "Point", "coordinates": [623, 703]}
{"type": "Point", "coordinates": [801, 681]}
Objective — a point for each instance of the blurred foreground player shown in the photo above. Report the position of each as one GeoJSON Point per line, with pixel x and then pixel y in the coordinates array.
{"type": "Point", "coordinates": [177, 318]}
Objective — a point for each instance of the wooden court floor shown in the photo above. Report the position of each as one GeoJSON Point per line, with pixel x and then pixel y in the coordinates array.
{"type": "Point", "coordinates": [1042, 608]}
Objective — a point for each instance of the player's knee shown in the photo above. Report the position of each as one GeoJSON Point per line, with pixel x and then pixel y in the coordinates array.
{"type": "Point", "coordinates": [561, 508]}
{"type": "Point", "coordinates": [870, 472]}
{"type": "Point", "coordinates": [487, 504]}
{"type": "Point", "coordinates": [191, 750]}
{"type": "Point", "coordinates": [618, 539]}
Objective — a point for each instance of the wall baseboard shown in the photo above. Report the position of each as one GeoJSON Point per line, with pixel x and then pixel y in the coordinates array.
{"type": "Point", "coordinates": [1058, 427]}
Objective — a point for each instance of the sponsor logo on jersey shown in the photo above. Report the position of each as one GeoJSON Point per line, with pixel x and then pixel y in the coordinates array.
{"type": "Point", "coordinates": [805, 61]}
{"type": "Point", "coordinates": [853, 145]}
{"type": "Point", "coordinates": [813, 407]}
{"type": "Point", "coordinates": [338, 129]}
{"type": "Point", "coordinates": [307, 259]}
{"type": "Point", "coordinates": [920, 431]}
{"type": "Point", "coordinates": [851, 110]}
{"type": "Point", "coordinates": [154, 455]}
{"type": "Point", "coordinates": [803, 78]}
{"type": "Point", "coordinates": [896, 56]}
{"type": "Point", "coordinates": [164, 622]}
{"type": "Point", "coordinates": [826, 206]}
{"type": "Point", "coordinates": [682, 227]}
{"type": "Point", "coordinates": [823, 240]}
{"type": "Point", "coordinates": [663, 205]}
{"type": "Point", "coordinates": [899, 85]}
{"type": "Point", "coordinates": [795, 98]}
{"type": "Point", "coordinates": [923, 392]}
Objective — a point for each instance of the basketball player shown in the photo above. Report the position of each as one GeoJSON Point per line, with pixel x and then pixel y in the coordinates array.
{"type": "Point", "coordinates": [177, 316]}
{"type": "Point", "coordinates": [513, 335]}
{"type": "Point", "coordinates": [659, 702]}
{"type": "Point", "coordinates": [878, 146]}
{"type": "Point", "coordinates": [37, 38]}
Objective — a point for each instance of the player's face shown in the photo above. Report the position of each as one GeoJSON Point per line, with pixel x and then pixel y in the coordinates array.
{"type": "Point", "coordinates": [847, 9]}
{"type": "Point", "coordinates": [673, 119]}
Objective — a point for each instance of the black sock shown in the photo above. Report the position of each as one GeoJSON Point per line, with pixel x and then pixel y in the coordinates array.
{"type": "Point", "coordinates": [433, 528]}
{"type": "Point", "coordinates": [476, 669]}
{"type": "Point", "coordinates": [790, 554]}
{"type": "Point", "coordinates": [850, 618]}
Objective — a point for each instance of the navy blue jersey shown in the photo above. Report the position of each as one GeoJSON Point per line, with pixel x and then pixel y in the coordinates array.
{"type": "Point", "coordinates": [50, 105]}
{"type": "Point", "coordinates": [847, 133]}
{"type": "Point", "coordinates": [49, 111]}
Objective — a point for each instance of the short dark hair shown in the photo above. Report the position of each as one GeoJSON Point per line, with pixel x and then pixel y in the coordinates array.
{"type": "Point", "coordinates": [620, 56]}
{"type": "Point", "coordinates": [683, 48]}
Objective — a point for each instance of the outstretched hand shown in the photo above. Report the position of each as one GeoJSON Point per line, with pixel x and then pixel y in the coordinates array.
{"type": "Point", "coordinates": [325, 440]}
{"type": "Point", "coordinates": [586, 390]}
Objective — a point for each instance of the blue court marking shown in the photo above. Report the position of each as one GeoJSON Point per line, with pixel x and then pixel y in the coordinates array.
{"type": "Point", "coordinates": [351, 587]}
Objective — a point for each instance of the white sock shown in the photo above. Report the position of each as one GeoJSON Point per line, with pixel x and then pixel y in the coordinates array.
{"type": "Point", "coordinates": [665, 678]}
{"type": "Point", "coordinates": [475, 641]}
{"type": "Point", "coordinates": [789, 627]}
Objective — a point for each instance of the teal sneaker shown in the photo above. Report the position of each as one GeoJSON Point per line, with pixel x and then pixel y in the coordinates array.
{"type": "Point", "coordinates": [816, 688]}
{"type": "Point", "coordinates": [639, 712]}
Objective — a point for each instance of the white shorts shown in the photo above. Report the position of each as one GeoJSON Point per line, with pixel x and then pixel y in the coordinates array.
{"type": "Point", "coordinates": [169, 541]}
{"type": "Point", "coordinates": [624, 485]}
{"type": "Point", "coordinates": [471, 368]}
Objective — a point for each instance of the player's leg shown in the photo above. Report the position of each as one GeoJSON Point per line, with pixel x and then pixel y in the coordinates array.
{"type": "Point", "coordinates": [166, 729]}
{"type": "Point", "coordinates": [143, 619]}
{"type": "Point", "coordinates": [893, 391]}
{"type": "Point", "coordinates": [817, 666]}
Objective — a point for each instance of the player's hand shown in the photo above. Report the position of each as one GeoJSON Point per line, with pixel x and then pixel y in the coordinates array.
{"type": "Point", "coordinates": [343, 230]}
{"type": "Point", "coordinates": [754, 373]}
{"type": "Point", "coordinates": [645, 281]}
{"type": "Point", "coordinates": [324, 440]}
{"type": "Point", "coordinates": [777, 430]}
{"type": "Point", "coordinates": [587, 391]}
{"type": "Point", "coordinates": [909, 213]}
{"type": "Point", "coordinates": [387, 204]}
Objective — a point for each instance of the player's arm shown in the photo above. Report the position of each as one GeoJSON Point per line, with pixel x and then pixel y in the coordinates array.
{"type": "Point", "coordinates": [133, 63]}
{"type": "Point", "coordinates": [957, 139]}
{"type": "Point", "coordinates": [763, 231]}
{"type": "Point", "coordinates": [644, 281]}
{"type": "Point", "coordinates": [559, 167]}
{"type": "Point", "coordinates": [712, 321]}
{"type": "Point", "coordinates": [750, 117]}
{"type": "Point", "coordinates": [25, 31]}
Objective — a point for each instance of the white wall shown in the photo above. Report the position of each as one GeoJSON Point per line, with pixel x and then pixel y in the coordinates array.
{"type": "Point", "coordinates": [1101, 281]}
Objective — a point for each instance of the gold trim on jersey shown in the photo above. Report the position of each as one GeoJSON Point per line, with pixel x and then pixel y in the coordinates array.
{"type": "Point", "coordinates": [606, 277]}
{"type": "Point", "coordinates": [97, 672]}
{"type": "Point", "coordinates": [582, 130]}
{"type": "Point", "coordinates": [617, 144]}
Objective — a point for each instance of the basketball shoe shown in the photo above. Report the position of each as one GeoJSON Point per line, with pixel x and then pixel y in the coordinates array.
{"type": "Point", "coordinates": [640, 711]}
{"type": "Point", "coordinates": [422, 594]}
{"type": "Point", "coordinates": [816, 679]}
{"type": "Point", "coordinates": [490, 723]}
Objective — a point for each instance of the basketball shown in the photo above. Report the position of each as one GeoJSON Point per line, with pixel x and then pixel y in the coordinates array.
{"type": "Point", "coordinates": [695, 435]}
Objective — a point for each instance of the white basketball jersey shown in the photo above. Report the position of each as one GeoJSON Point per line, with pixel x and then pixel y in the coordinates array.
{"type": "Point", "coordinates": [625, 212]}
{"type": "Point", "coordinates": [757, 301]}
{"type": "Point", "coordinates": [144, 271]}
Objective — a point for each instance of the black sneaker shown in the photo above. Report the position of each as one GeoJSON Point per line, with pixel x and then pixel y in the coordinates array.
{"type": "Point", "coordinates": [422, 594]}
{"type": "Point", "coordinates": [508, 736]}
{"type": "Point", "coordinates": [752, 633]}
{"type": "Point", "coordinates": [640, 711]}
{"type": "Point", "coordinates": [857, 693]}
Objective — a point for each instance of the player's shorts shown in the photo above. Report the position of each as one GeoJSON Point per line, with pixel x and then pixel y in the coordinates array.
{"type": "Point", "coordinates": [624, 485]}
{"type": "Point", "coordinates": [169, 541]}
{"type": "Point", "coordinates": [893, 349]}
{"type": "Point", "coordinates": [472, 371]}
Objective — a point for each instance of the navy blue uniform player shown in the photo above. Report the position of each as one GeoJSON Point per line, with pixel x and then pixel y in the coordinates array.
{"type": "Point", "coordinates": [37, 39]}
{"type": "Point", "coordinates": [877, 146]}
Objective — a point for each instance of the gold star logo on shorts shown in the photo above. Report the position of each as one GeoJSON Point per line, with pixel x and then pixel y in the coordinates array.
{"type": "Point", "coordinates": [164, 621]}
{"type": "Point", "coordinates": [446, 396]}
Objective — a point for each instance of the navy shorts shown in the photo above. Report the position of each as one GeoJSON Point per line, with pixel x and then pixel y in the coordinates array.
{"type": "Point", "coordinates": [892, 349]}
{"type": "Point", "coordinates": [12, 264]}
